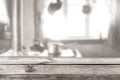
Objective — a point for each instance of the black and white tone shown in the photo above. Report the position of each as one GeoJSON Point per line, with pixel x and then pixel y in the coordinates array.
{"type": "Point", "coordinates": [59, 39]}
{"type": "Point", "coordinates": [60, 28]}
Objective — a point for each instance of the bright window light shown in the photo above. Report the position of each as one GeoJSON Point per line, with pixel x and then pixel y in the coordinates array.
{"type": "Point", "coordinates": [56, 27]}
{"type": "Point", "coordinates": [3, 12]}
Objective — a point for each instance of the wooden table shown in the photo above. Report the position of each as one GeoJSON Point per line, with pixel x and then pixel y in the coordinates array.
{"type": "Point", "coordinates": [59, 69]}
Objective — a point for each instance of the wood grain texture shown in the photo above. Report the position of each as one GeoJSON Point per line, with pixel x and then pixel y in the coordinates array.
{"type": "Point", "coordinates": [61, 69]}
{"type": "Point", "coordinates": [67, 61]}
{"type": "Point", "coordinates": [59, 77]}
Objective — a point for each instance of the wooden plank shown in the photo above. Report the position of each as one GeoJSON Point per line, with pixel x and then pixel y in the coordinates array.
{"type": "Point", "coordinates": [58, 61]}
{"type": "Point", "coordinates": [60, 69]}
{"type": "Point", "coordinates": [60, 77]}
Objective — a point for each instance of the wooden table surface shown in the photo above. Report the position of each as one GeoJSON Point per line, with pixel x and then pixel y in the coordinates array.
{"type": "Point", "coordinates": [60, 66]}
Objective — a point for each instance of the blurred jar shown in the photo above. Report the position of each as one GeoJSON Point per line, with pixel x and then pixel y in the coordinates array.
{"type": "Point", "coordinates": [53, 49]}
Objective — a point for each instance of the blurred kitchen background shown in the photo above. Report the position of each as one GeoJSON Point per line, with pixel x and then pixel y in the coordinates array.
{"type": "Point", "coordinates": [90, 27]}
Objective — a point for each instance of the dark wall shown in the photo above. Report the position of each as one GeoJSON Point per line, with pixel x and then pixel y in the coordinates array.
{"type": "Point", "coordinates": [114, 33]}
